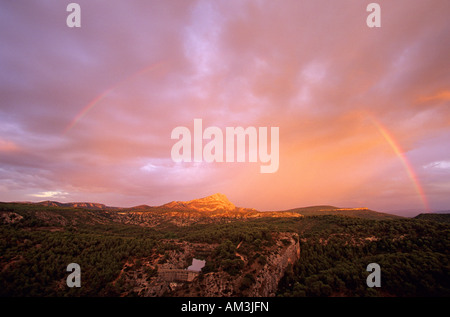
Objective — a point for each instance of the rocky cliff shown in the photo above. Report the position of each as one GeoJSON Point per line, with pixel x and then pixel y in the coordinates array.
{"type": "Point", "coordinates": [258, 277]}
{"type": "Point", "coordinates": [267, 280]}
{"type": "Point", "coordinates": [211, 203]}
{"type": "Point", "coordinates": [211, 209]}
{"type": "Point", "coordinates": [255, 280]}
{"type": "Point", "coordinates": [83, 205]}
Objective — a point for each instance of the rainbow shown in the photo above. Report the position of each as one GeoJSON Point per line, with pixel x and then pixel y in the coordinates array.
{"type": "Point", "coordinates": [400, 153]}
{"type": "Point", "coordinates": [100, 97]}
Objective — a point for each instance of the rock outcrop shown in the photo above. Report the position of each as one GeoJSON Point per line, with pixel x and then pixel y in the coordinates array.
{"type": "Point", "coordinates": [212, 209]}
{"type": "Point", "coordinates": [83, 205]}
{"type": "Point", "coordinates": [255, 279]}
{"type": "Point", "coordinates": [286, 251]}
{"type": "Point", "coordinates": [216, 202]}
{"type": "Point", "coordinates": [10, 217]}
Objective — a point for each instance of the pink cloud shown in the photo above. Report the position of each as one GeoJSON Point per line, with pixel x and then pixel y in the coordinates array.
{"type": "Point", "coordinates": [313, 68]}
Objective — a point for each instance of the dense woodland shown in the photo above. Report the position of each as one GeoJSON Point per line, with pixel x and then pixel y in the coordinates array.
{"type": "Point", "coordinates": [413, 256]}
{"type": "Point", "coordinates": [335, 250]}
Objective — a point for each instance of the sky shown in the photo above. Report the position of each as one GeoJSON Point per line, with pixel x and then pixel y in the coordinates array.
{"type": "Point", "coordinates": [86, 114]}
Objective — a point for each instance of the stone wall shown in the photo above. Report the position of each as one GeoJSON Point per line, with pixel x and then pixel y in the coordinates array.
{"type": "Point", "coordinates": [177, 275]}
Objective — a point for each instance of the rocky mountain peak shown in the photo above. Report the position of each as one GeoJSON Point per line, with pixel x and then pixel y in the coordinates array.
{"type": "Point", "coordinates": [218, 197]}
{"type": "Point", "coordinates": [210, 203]}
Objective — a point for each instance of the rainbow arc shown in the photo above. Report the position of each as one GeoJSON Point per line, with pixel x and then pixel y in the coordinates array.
{"type": "Point", "coordinates": [103, 95]}
{"type": "Point", "coordinates": [401, 155]}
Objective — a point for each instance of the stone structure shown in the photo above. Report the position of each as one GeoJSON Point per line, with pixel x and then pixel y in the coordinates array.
{"type": "Point", "coordinates": [174, 275]}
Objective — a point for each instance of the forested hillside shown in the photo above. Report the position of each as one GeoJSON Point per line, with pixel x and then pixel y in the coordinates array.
{"type": "Point", "coordinates": [38, 242]}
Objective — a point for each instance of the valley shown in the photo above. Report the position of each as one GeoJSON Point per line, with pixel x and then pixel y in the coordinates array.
{"type": "Point", "coordinates": [145, 250]}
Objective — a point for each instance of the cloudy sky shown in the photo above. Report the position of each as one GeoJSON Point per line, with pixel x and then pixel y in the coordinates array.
{"type": "Point", "coordinates": [86, 114]}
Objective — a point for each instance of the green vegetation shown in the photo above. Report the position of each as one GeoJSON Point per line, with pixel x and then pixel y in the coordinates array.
{"type": "Point", "coordinates": [247, 231]}
{"type": "Point", "coordinates": [444, 218]}
{"type": "Point", "coordinates": [34, 262]}
{"type": "Point", "coordinates": [247, 281]}
{"type": "Point", "coordinates": [37, 243]}
{"type": "Point", "coordinates": [335, 211]}
{"type": "Point", "coordinates": [413, 256]}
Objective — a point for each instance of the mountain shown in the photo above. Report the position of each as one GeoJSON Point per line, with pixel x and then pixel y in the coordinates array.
{"type": "Point", "coordinates": [211, 209]}
{"type": "Point", "coordinates": [145, 250]}
{"type": "Point", "coordinates": [211, 203]}
{"type": "Point", "coordinates": [361, 212]}
{"type": "Point", "coordinates": [94, 206]}
{"type": "Point", "coordinates": [437, 217]}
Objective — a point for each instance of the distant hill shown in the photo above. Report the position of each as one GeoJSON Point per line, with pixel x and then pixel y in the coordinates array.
{"type": "Point", "coordinates": [211, 203]}
{"type": "Point", "coordinates": [142, 251]}
{"type": "Point", "coordinates": [211, 209]}
{"type": "Point", "coordinates": [437, 217]}
{"type": "Point", "coordinates": [219, 202]}
{"type": "Point", "coordinates": [361, 212]}
{"type": "Point", "coordinates": [84, 205]}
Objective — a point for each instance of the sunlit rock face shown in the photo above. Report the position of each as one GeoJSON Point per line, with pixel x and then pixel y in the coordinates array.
{"type": "Point", "coordinates": [214, 202]}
